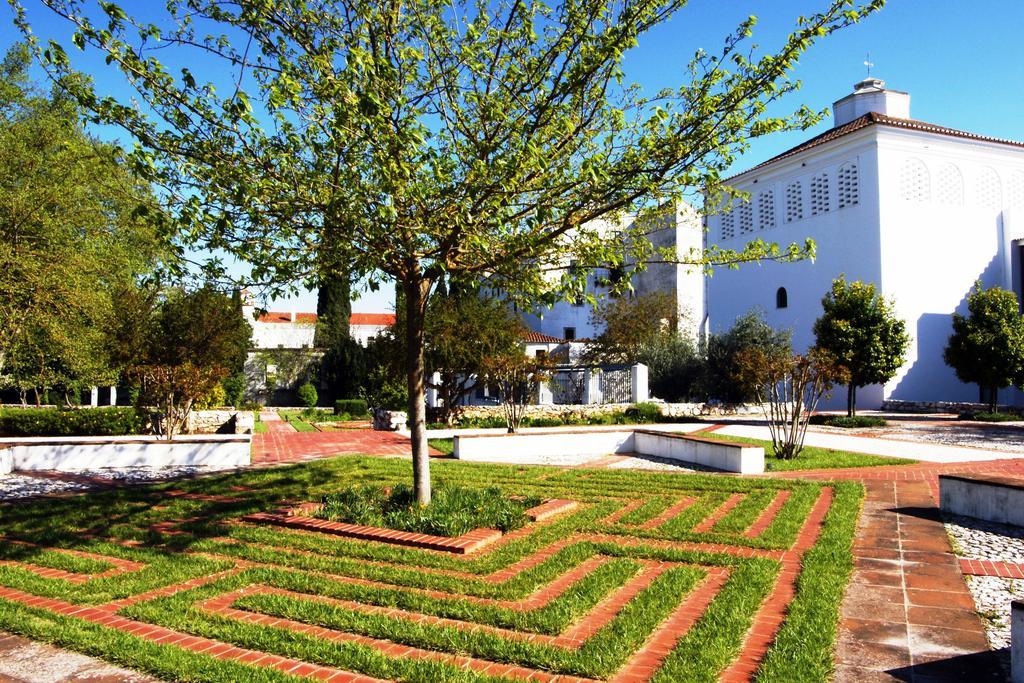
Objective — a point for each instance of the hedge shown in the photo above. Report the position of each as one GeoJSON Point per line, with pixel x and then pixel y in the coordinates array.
{"type": "Point", "coordinates": [356, 407]}
{"type": "Point", "coordinates": [70, 422]}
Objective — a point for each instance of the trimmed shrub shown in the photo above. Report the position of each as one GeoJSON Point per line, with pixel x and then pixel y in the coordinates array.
{"type": "Point", "coordinates": [70, 422]}
{"type": "Point", "coordinates": [991, 417]}
{"type": "Point", "coordinates": [453, 510]}
{"type": "Point", "coordinates": [644, 412]}
{"type": "Point", "coordinates": [307, 395]}
{"type": "Point", "coordinates": [848, 422]}
{"type": "Point", "coordinates": [356, 407]}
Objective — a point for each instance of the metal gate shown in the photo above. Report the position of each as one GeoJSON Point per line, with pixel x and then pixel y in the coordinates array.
{"type": "Point", "coordinates": [616, 385]}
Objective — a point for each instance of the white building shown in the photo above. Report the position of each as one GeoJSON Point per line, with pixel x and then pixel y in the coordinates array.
{"type": "Point", "coordinates": [679, 229]}
{"type": "Point", "coordinates": [918, 209]}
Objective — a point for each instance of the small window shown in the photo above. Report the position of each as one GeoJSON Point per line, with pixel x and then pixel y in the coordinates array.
{"type": "Point", "coordinates": [781, 298]}
{"type": "Point", "coordinates": [569, 333]}
{"type": "Point", "coordinates": [541, 354]}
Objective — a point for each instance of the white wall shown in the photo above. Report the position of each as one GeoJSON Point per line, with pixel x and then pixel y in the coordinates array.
{"type": "Point", "coordinates": [847, 243]}
{"type": "Point", "coordinates": [81, 453]}
{"type": "Point", "coordinates": [935, 247]}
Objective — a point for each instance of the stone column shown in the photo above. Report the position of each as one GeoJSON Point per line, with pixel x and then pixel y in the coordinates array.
{"type": "Point", "coordinates": [591, 386]}
{"type": "Point", "coordinates": [94, 397]}
{"type": "Point", "coordinates": [113, 396]}
{"type": "Point", "coordinates": [638, 383]}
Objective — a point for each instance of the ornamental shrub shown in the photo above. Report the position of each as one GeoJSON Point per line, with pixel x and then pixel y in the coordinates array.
{"type": "Point", "coordinates": [307, 395]}
{"type": "Point", "coordinates": [644, 412]}
{"type": "Point", "coordinates": [356, 407]}
{"type": "Point", "coordinates": [847, 422]}
{"type": "Point", "coordinates": [70, 422]}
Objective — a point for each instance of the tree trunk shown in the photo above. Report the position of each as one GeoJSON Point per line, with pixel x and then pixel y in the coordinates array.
{"type": "Point", "coordinates": [416, 293]}
{"type": "Point", "coordinates": [851, 400]}
{"type": "Point", "coordinates": [993, 399]}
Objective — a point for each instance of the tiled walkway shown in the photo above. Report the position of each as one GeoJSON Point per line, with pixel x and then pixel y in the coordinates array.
{"type": "Point", "coordinates": [275, 447]}
{"type": "Point", "coordinates": [907, 614]}
{"type": "Point", "coordinates": [25, 661]}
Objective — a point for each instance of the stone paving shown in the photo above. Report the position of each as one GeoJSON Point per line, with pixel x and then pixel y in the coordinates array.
{"type": "Point", "coordinates": [25, 661]}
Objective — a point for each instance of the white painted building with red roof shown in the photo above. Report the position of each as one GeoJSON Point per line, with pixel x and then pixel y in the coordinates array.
{"type": "Point", "coordinates": [921, 210]}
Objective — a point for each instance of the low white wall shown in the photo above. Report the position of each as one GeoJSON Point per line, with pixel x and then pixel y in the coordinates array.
{"type": "Point", "coordinates": [537, 447]}
{"type": "Point", "coordinates": [722, 455]}
{"type": "Point", "coordinates": [5, 461]}
{"type": "Point", "coordinates": [82, 452]}
{"type": "Point", "coordinates": [982, 497]}
{"type": "Point", "coordinates": [1017, 641]}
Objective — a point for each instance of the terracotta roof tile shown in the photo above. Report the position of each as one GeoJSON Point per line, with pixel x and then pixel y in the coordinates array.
{"type": "Point", "coordinates": [874, 118]}
{"type": "Point", "coordinates": [382, 319]}
{"type": "Point", "coordinates": [532, 337]}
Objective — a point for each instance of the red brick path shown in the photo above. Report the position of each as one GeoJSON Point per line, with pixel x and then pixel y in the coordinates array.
{"type": "Point", "coordinates": [1004, 570]}
{"type": "Point", "coordinates": [287, 447]}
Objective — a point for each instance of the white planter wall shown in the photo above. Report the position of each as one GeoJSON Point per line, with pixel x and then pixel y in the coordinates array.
{"type": "Point", "coordinates": [537, 447]}
{"type": "Point", "coordinates": [5, 461]}
{"type": "Point", "coordinates": [81, 453]}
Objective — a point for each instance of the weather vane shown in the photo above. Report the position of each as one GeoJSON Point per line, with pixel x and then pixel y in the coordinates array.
{"type": "Point", "coordinates": [868, 63]}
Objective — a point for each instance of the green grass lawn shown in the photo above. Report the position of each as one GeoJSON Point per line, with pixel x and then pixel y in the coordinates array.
{"type": "Point", "coordinates": [446, 446]}
{"type": "Point", "coordinates": [812, 458]}
{"type": "Point", "coordinates": [298, 570]}
{"type": "Point", "coordinates": [296, 420]}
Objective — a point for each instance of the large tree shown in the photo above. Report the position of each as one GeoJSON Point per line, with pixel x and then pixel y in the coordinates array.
{"type": "Point", "coordinates": [859, 327]}
{"type": "Point", "coordinates": [987, 345]}
{"type": "Point", "coordinates": [428, 139]}
{"type": "Point", "coordinates": [75, 225]}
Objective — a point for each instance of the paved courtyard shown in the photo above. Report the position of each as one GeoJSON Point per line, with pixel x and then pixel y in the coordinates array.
{"type": "Point", "coordinates": [907, 613]}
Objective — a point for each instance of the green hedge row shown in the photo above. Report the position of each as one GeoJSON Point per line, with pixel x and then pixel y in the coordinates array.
{"type": "Point", "coordinates": [70, 422]}
{"type": "Point", "coordinates": [356, 407]}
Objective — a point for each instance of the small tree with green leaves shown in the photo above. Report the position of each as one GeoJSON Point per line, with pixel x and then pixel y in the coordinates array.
{"type": "Point", "coordinates": [723, 351]}
{"type": "Point", "coordinates": [629, 324]}
{"type": "Point", "coordinates": [859, 327]}
{"type": "Point", "coordinates": [987, 345]}
{"type": "Point", "coordinates": [788, 388]}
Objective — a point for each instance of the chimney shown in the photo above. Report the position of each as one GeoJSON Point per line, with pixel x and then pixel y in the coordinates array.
{"type": "Point", "coordinates": [871, 95]}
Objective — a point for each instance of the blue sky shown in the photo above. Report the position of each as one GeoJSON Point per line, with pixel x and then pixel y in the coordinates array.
{"type": "Point", "coordinates": [962, 63]}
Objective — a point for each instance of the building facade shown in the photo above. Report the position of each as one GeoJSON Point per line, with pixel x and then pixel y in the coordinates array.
{"type": "Point", "coordinates": [920, 210]}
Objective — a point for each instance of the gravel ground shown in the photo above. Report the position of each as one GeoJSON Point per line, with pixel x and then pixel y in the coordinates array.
{"type": "Point", "coordinates": [14, 486]}
{"type": "Point", "coordinates": [649, 462]}
{"type": "Point", "coordinates": [977, 539]}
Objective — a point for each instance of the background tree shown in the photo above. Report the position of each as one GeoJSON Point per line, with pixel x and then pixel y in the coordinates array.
{"type": "Point", "coordinates": [860, 329]}
{"type": "Point", "coordinates": [177, 346]}
{"type": "Point", "coordinates": [676, 367]}
{"type": "Point", "coordinates": [426, 139]}
{"type": "Point", "coordinates": [722, 357]}
{"type": "Point", "coordinates": [987, 345]}
{"type": "Point", "coordinates": [629, 324]}
{"type": "Point", "coordinates": [515, 376]}
{"type": "Point", "coordinates": [75, 225]}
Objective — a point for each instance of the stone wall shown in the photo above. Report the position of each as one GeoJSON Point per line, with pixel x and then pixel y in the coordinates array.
{"type": "Point", "coordinates": [680, 410]}
{"type": "Point", "coordinates": [943, 407]}
{"type": "Point", "coordinates": [226, 421]}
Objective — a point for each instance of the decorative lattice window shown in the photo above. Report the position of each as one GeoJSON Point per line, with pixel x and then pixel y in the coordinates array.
{"type": "Point", "coordinates": [988, 191]}
{"type": "Point", "coordinates": [746, 220]}
{"type": "Point", "coordinates": [819, 194]}
{"type": "Point", "coordinates": [949, 186]}
{"type": "Point", "coordinates": [915, 183]}
{"type": "Point", "coordinates": [794, 202]}
{"type": "Point", "coordinates": [848, 185]}
{"type": "Point", "coordinates": [1015, 189]}
{"type": "Point", "coordinates": [766, 209]}
{"type": "Point", "coordinates": [728, 225]}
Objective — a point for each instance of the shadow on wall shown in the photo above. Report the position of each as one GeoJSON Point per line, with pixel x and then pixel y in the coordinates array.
{"type": "Point", "coordinates": [929, 378]}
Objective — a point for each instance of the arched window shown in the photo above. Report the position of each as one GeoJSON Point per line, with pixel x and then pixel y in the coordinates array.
{"type": "Point", "coordinates": [781, 298]}
{"type": "Point", "coordinates": [848, 187]}
{"type": "Point", "coordinates": [949, 186]}
{"type": "Point", "coordinates": [766, 209]}
{"type": "Point", "coordinates": [988, 190]}
{"type": "Point", "coordinates": [819, 194]}
{"type": "Point", "coordinates": [794, 202]}
{"type": "Point", "coordinates": [915, 183]}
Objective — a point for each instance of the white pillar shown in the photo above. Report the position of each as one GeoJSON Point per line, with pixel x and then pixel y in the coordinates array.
{"type": "Point", "coordinates": [591, 386]}
{"type": "Point", "coordinates": [1017, 641]}
{"type": "Point", "coordinates": [113, 396]}
{"type": "Point", "coordinates": [432, 400]}
{"type": "Point", "coordinates": [94, 397]}
{"type": "Point", "coordinates": [545, 396]}
{"type": "Point", "coordinates": [638, 383]}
